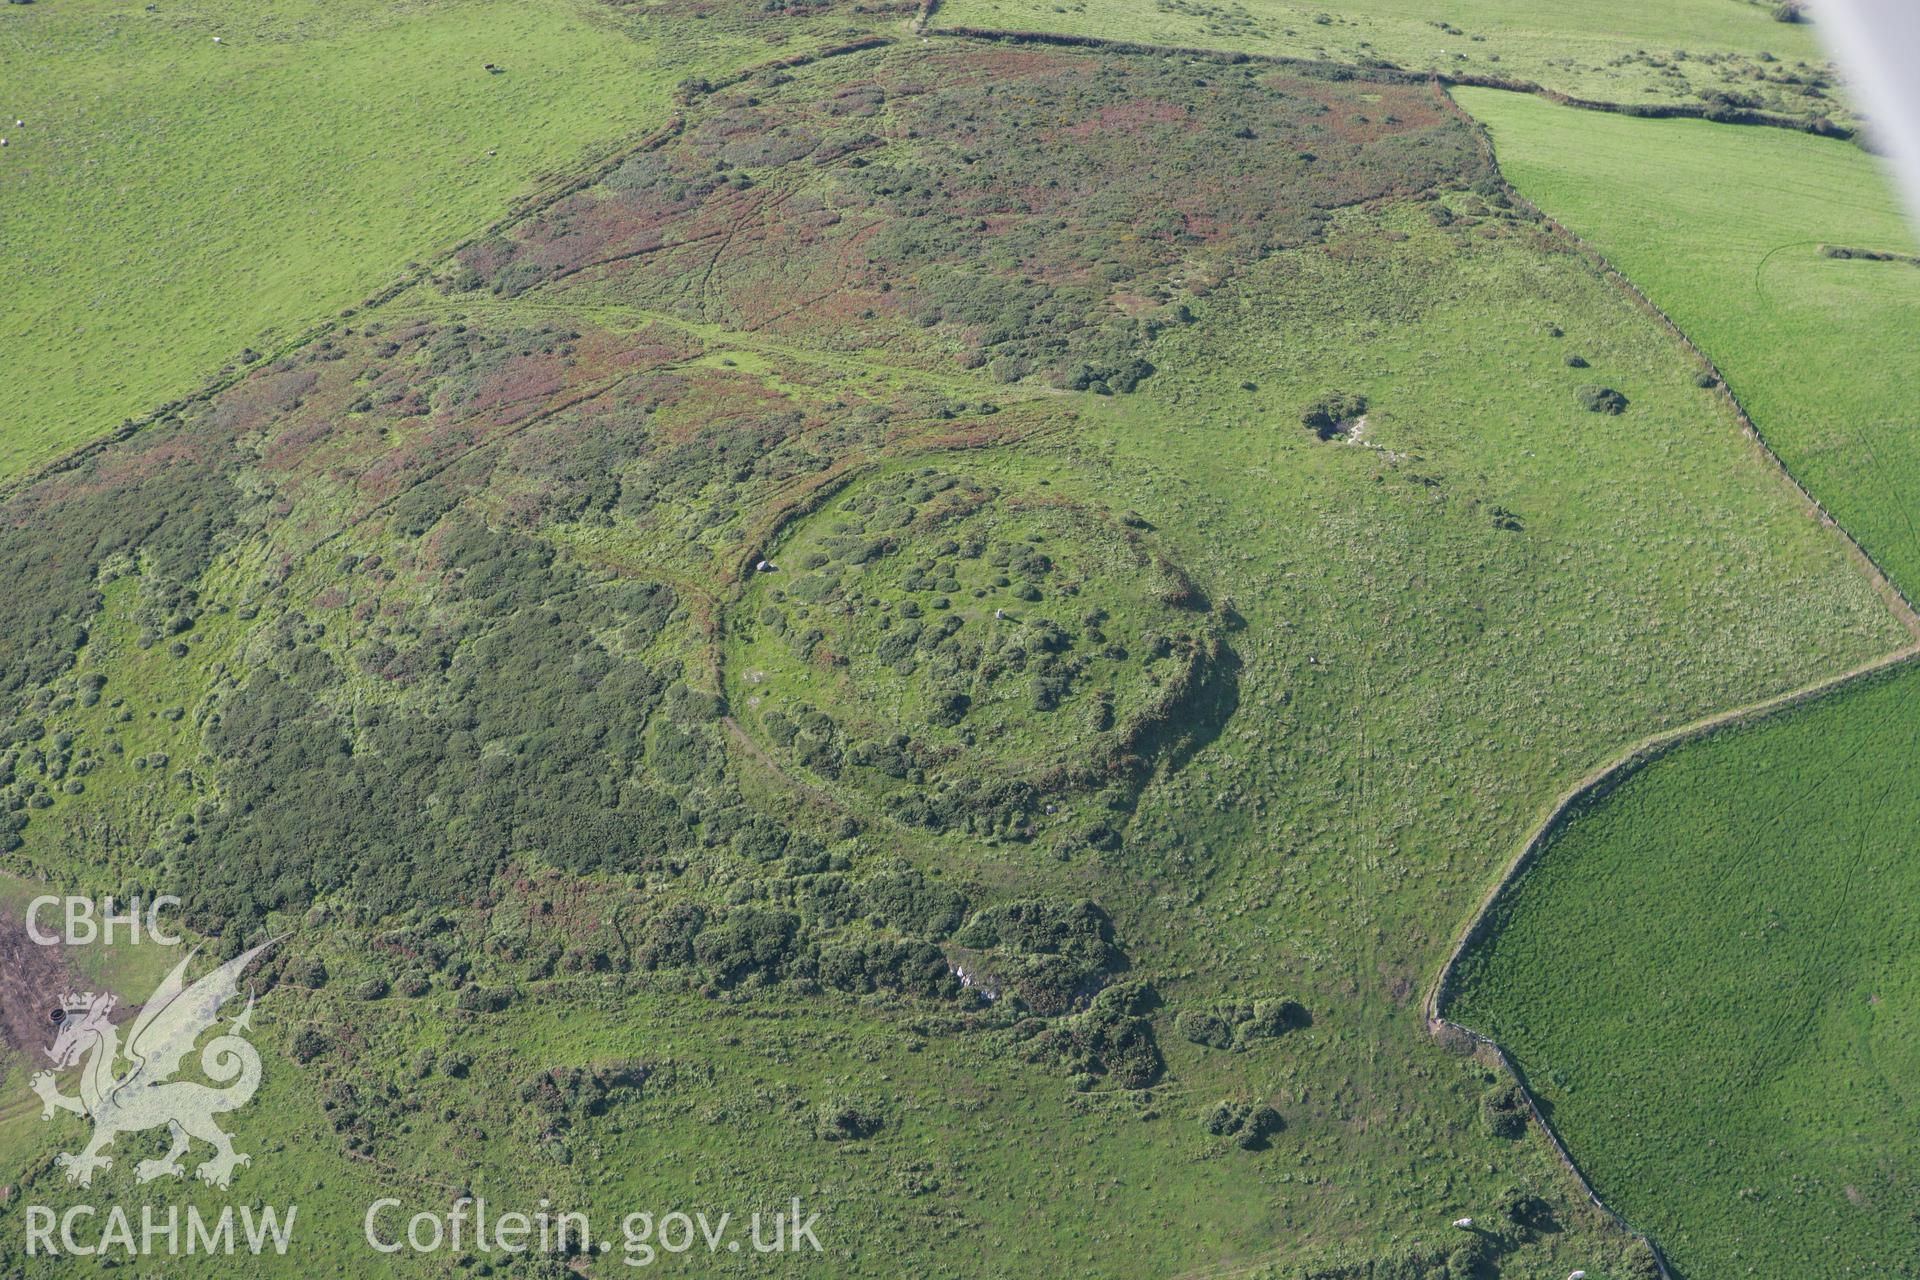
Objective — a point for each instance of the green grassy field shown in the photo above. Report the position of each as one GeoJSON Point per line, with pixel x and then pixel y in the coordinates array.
{"type": "Point", "coordinates": [170, 202]}
{"type": "Point", "coordinates": [436, 642]}
{"type": "Point", "coordinates": [1637, 51]}
{"type": "Point", "coordinates": [1697, 977]}
{"type": "Point", "coordinates": [1706, 980]}
{"type": "Point", "coordinates": [1303, 852]}
{"type": "Point", "coordinates": [1723, 227]}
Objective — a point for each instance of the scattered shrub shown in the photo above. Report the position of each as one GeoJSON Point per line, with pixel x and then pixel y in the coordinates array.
{"type": "Point", "coordinates": [748, 941]}
{"type": "Point", "coordinates": [1237, 1025]}
{"type": "Point", "coordinates": [477, 999]}
{"type": "Point", "coordinates": [1112, 1040]}
{"type": "Point", "coordinates": [1503, 1108]}
{"type": "Point", "coordinates": [1598, 399]}
{"type": "Point", "coordinates": [1333, 415]}
{"type": "Point", "coordinates": [1249, 1124]}
{"type": "Point", "coordinates": [845, 1119]}
{"type": "Point", "coordinates": [308, 1043]}
{"type": "Point", "coordinates": [1204, 1028]}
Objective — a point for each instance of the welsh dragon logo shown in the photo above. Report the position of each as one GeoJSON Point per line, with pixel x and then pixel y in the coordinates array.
{"type": "Point", "coordinates": [146, 1095]}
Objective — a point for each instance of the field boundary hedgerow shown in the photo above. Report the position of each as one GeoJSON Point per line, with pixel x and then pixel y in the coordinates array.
{"type": "Point", "coordinates": [1595, 786]}
{"type": "Point", "coordinates": [1383, 74]}
{"type": "Point", "coordinates": [1386, 72]}
{"type": "Point", "coordinates": [1818, 125]}
{"type": "Point", "coordinates": [789, 62]}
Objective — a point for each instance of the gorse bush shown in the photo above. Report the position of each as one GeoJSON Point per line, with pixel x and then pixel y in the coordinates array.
{"type": "Point", "coordinates": [1240, 1024]}
{"type": "Point", "coordinates": [1333, 415]}
{"type": "Point", "coordinates": [1503, 1108]}
{"type": "Point", "coordinates": [321, 803]}
{"type": "Point", "coordinates": [1249, 1124]}
{"type": "Point", "coordinates": [1599, 399]}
